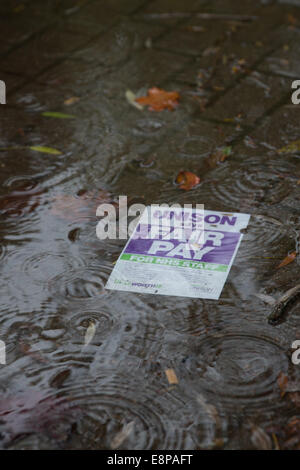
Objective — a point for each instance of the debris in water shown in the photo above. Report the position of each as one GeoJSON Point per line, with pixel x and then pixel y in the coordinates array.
{"type": "Point", "coordinates": [282, 381]}
{"type": "Point", "coordinates": [293, 147]}
{"type": "Point", "coordinates": [288, 259]}
{"type": "Point", "coordinates": [72, 100]}
{"type": "Point", "coordinates": [260, 439]}
{"type": "Point", "coordinates": [131, 98]}
{"type": "Point", "coordinates": [122, 435]}
{"type": "Point", "coordinates": [158, 99]}
{"type": "Point", "coordinates": [283, 304]}
{"type": "Point", "coordinates": [187, 180]}
{"type": "Point", "coordinates": [171, 376]}
{"type": "Point", "coordinates": [90, 333]}
{"type": "Point", "coordinates": [42, 149]}
{"type": "Point", "coordinates": [58, 115]}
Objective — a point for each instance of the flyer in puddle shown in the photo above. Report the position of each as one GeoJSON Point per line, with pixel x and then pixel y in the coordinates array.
{"type": "Point", "coordinates": [179, 252]}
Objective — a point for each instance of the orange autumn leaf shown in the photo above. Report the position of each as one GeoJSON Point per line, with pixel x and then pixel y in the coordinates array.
{"type": "Point", "coordinates": [158, 99]}
{"type": "Point", "coordinates": [187, 180]}
{"type": "Point", "coordinates": [288, 259]}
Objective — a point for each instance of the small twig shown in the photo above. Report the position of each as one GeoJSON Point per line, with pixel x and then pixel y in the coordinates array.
{"type": "Point", "coordinates": [280, 308]}
{"type": "Point", "coordinates": [203, 16]}
{"type": "Point", "coordinates": [220, 16]}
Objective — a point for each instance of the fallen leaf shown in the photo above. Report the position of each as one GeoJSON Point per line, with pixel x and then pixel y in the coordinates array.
{"type": "Point", "coordinates": [90, 333]}
{"type": "Point", "coordinates": [171, 376]}
{"type": "Point", "coordinates": [187, 180]}
{"type": "Point", "coordinates": [131, 98]}
{"type": "Point", "coordinates": [219, 156]}
{"type": "Point", "coordinates": [51, 151]}
{"type": "Point", "coordinates": [282, 381]}
{"type": "Point", "coordinates": [260, 439]}
{"type": "Point", "coordinates": [291, 434]}
{"type": "Point", "coordinates": [72, 100]}
{"type": "Point", "coordinates": [288, 259]}
{"type": "Point", "coordinates": [58, 380]}
{"type": "Point", "coordinates": [158, 99]}
{"type": "Point", "coordinates": [122, 435]}
{"type": "Point", "coordinates": [293, 147]}
{"type": "Point", "coordinates": [58, 115]}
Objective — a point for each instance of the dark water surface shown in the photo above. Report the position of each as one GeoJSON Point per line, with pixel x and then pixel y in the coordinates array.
{"type": "Point", "coordinates": [55, 393]}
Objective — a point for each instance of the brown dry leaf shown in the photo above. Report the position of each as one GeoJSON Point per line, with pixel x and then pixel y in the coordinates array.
{"type": "Point", "coordinates": [171, 376]}
{"type": "Point", "coordinates": [187, 180]}
{"type": "Point", "coordinates": [72, 100]}
{"type": "Point", "coordinates": [219, 156]}
{"type": "Point", "coordinates": [292, 434]}
{"type": "Point", "coordinates": [282, 381]}
{"type": "Point", "coordinates": [291, 388]}
{"type": "Point", "coordinates": [288, 259]}
{"type": "Point", "coordinates": [158, 99]}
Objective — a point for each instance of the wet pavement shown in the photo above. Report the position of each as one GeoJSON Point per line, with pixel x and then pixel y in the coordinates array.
{"type": "Point", "coordinates": [233, 64]}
